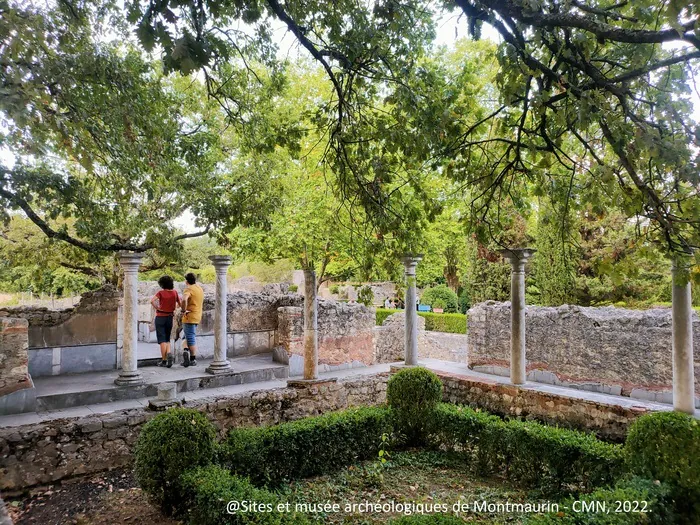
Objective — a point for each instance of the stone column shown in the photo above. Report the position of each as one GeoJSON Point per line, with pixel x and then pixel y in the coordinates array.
{"type": "Point", "coordinates": [517, 259]}
{"type": "Point", "coordinates": [220, 365]}
{"type": "Point", "coordinates": [411, 328]}
{"type": "Point", "coordinates": [129, 374]}
{"type": "Point", "coordinates": [683, 369]}
{"type": "Point", "coordinates": [310, 326]}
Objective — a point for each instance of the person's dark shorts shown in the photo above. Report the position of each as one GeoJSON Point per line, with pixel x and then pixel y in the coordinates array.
{"type": "Point", "coordinates": [164, 327]}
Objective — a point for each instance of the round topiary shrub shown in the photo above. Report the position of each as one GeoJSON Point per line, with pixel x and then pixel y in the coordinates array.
{"type": "Point", "coordinates": [441, 296]}
{"type": "Point", "coordinates": [666, 446]}
{"type": "Point", "coordinates": [169, 444]}
{"type": "Point", "coordinates": [412, 394]}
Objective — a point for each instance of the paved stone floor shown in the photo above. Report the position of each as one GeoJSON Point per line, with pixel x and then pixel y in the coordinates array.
{"type": "Point", "coordinates": [158, 375]}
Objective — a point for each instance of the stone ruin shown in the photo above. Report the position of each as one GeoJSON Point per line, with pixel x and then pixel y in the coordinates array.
{"type": "Point", "coordinates": [605, 349]}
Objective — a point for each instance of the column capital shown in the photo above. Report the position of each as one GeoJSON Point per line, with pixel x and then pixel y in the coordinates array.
{"type": "Point", "coordinates": [130, 260]}
{"type": "Point", "coordinates": [517, 256]}
{"type": "Point", "coordinates": [410, 261]}
{"type": "Point", "coordinates": [220, 261]}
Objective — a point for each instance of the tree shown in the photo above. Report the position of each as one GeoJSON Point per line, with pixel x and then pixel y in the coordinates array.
{"type": "Point", "coordinates": [581, 70]}
{"type": "Point", "coordinates": [108, 150]}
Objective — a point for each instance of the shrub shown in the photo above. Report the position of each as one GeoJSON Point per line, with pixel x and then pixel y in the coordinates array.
{"type": "Point", "coordinates": [308, 447]}
{"type": "Point", "coordinates": [383, 313]}
{"type": "Point", "coordinates": [624, 502]}
{"type": "Point", "coordinates": [441, 295]}
{"type": "Point", "coordinates": [666, 446]}
{"type": "Point", "coordinates": [532, 453]}
{"type": "Point", "coordinates": [365, 296]}
{"type": "Point", "coordinates": [293, 288]}
{"type": "Point", "coordinates": [464, 302]}
{"type": "Point", "coordinates": [335, 289]}
{"type": "Point", "coordinates": [170, 443]}
{"type": "Point", "coordinates": [450, 323]}
{"type": "Point", "coordinates": [412, 394]}
{"type": "Point", "coordinates": [209, 489]}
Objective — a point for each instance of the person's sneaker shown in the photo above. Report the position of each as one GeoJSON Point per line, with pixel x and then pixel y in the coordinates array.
{"type": "Point", "coordinates": [163, 362]}
{"type": "Point", "coordinates": [169, 360]}
{"type": "Point", "coordinates": [193, 361]}
{"type": "Point", "coordinates": [186, 358]}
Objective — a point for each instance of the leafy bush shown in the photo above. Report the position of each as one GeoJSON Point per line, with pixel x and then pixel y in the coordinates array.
{"type": "Point", "coordinates": [308, 447]}
{"type": "Point", "coordinates": [532, 453]}
{"type": "Point", "coordinates": [168, 445]}
{"type": "Point", "coordinates": [450, 323]}
{"type": "Point", "coordinates": [365, 296]}
{"type": "Point", "coordinates": [208, 490]}
{"type": "Point", "coordinates": [441, 296]}
{"type": "Point", "coordinates": [412, 394]}
{"type": "Point", "coordinates": [293, 288]}
{"type": "Point", "coordinates": [383, 313]}
{"type": "Point", "coordinates": [666, 446]}
{"type": "Point", "coordinates": [335, 289]}
{"type": "Point", "coordinates": [624, 502]}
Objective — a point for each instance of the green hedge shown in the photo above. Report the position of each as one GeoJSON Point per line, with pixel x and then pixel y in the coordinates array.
{"type": "Point", "coordinates": [529, 452]}
{"type": "Point", "coordinates": [666, 446]}
{"type": "Point", "coordinates": [304, 448]}
{"type": "Point", "coordinates": [450, 323]}
{"type": "Point", "coordinates": [168, 445]}
{"type": "Point", "coordinates": [412, 394]}
{"type": "Point", "coordinates": [207, 491]}
{"type": "Point", "coordinates": [625, 503]}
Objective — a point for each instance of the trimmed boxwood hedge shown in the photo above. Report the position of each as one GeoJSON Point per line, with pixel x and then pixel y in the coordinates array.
{"type": "Point", "coordinates": [304, 448]}
{"type": "Point", "coordinates": [450, 323]}
{"type": "Point", "coordinates": [412, 394]}
{"type": "Point", "coordinates": [526, 451]}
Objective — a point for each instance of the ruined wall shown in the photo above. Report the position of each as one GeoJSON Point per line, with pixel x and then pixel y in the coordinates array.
{"type": "Point", "coordinates": [611, 350]}
{"type": "Point", "coordinates": [344, 335]}
{"type": "Point", "coordinates": [14, 362]}
{"type": "Point", "coordinates": [389, 342]}
{"type": "Point", "coordinates": [59, 448]}
{"type": "Point", "coordinates": [93, 320]}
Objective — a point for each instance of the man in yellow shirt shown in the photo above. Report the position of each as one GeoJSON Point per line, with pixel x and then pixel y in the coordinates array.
{"type": "Point", "coordinates": [193, 299]}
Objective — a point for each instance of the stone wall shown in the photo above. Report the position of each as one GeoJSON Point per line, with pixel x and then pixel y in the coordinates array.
{"type": "Point", "coordinates": [607, 420]}
{"type": "Point", "coordinates": [60, 448]}
{"type": "Point", "coordinates": [389, 342]}
{"type": "Point", "coordinates": [611, 350]}
{"type": "Point", "coordinates": [344, 335]}
{"type": "Point", "coordinates": [14, 361]}
{"type": "Point", "coordinates": [93, 320]}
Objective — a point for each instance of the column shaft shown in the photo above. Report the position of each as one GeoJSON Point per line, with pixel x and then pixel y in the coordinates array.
{"type": "Point", "coordinates": [310, 326]}
{"type": "Point", "coordinates": [129, 374]}
{"type": "Point", "coordinates": [220, 365]}
{"type": "Point", "coordinates": [683, 369]}
{"type": "Point", "coordinates": [518, 373]}
{"type": "Point", "coordinates": [411, 315]}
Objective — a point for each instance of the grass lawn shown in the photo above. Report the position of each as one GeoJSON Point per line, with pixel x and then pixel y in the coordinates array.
{"type": "Point", "coordinates": [419, 477]}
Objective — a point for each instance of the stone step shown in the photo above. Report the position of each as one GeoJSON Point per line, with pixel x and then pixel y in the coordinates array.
{"type": "Point", "coordinates": [63, 392]}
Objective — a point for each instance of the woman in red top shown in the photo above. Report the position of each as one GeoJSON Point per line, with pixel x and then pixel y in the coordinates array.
{"type": "Point", "coordinates": [165, 302]}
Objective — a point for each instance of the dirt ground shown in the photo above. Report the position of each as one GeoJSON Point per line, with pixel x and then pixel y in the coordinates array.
{"type": "Point", "coordinates": [106, 499]}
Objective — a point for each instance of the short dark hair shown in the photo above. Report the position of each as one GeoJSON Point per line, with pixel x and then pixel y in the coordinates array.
{"type": "Point", "coordinates": [190, 278]}
{"type": "Point", "coordinates": [166, 282]}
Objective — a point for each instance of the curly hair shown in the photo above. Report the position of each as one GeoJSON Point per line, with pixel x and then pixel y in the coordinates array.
{"type": "Point", "coordinates": [166, 282]}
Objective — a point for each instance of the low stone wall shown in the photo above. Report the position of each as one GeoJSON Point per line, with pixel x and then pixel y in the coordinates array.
{"type": "Point", "coordinates": [389, 342]}
{"type": "Point", "coordinates": [344, 335]}
{"type": "Point", "coordinates": [610, 350]}
{"type": "Point", "coordinates": [608, 421]}
{"type": "Point", "coordinates": [57, 449]}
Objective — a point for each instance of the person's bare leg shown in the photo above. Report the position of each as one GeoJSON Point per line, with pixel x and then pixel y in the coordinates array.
{"type": "Point", "coordinates": [193, 351]}
{"type": "Point", "coordinates": [164, 350]}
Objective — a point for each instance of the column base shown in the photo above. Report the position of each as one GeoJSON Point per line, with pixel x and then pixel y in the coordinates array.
{"type": "Point", "coordinates": [219, 368]}
{"type": "Point", "coordinates": [129, 379]}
